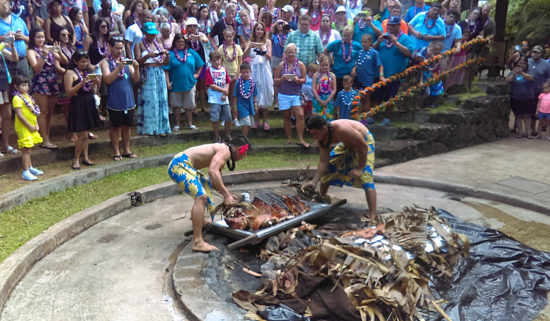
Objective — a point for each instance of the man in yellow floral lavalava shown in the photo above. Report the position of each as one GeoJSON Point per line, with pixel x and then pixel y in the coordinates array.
{"type": "Point", "coordinates": [184, 169]}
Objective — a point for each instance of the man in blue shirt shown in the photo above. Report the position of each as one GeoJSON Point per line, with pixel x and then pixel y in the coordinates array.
{"type": "Point", "coordinates": [12, 25]}
{"type": "Point", "coordinates": [395, 49]}
{"type": "Point", "coordinates": [427, 26]}
{"type": "Point", "coordinates": [453, 32]}
{"type": "Point", "coordinates": [418, 7]}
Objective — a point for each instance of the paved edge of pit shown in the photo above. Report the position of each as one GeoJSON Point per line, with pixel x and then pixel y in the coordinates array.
{"type": "Point", "coordinates": [187, 268]}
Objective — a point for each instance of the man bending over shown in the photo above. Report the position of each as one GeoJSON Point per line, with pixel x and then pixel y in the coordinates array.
{"type": "Point", "coordinates": [350, 162]}
{"type": "Point", "coordinates": [184, 169]}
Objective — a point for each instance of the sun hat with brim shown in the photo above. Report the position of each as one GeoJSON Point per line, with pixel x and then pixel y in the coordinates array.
{"type": "Point", "coordinates": [191, 21]}
{"type": "Point", "coordinates": [340, 9]}
{"type": "Point", "coordinates": [150, 28]}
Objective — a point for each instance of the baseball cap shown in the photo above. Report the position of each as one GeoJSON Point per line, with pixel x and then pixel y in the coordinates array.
{"type": "Point", "coordinates": [538, 48]}
{"type": "Point", "coordinates": [340, 9]}
{"type": "Point", "coordinates": [394, 20]}
{"type": "Point", "coordinates": [191, 21]}
{"type": "Point", "coordinates": [288, 8]}
{"type": "Point", "coordinates": [150, 28]}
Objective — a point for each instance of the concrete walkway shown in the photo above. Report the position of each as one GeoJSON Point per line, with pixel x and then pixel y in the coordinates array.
{"type": "Point", "coordinates": [121, 268]}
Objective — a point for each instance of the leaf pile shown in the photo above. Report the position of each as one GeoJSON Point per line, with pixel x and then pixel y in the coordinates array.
{"type": "Point", "coordinates": [385, 277]}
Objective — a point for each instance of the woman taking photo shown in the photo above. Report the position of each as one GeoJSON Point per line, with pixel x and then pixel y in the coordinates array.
{"type": "Point", "coordinates": [259, 51]}
{"type": "Point", "coordinates": [290, 75]}
{"type": "Point", "coordinates": [198, 41]}
{"type": "Point", "coordinates": [45, 64]}
{"type": "Point", "coordinates": [152, 94]}
{"type": "Point", "coordinates": [181, 77]}
{"type": "Point", "coordinates": [83, 114]}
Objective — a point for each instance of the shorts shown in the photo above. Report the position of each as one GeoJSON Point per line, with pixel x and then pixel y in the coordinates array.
{"type": "Point", "coordinates": [4, 99]}
{"type": "Point", "coordinates": [288, 101]}
{"type": "Point", "coordinates": [122, 117]}
{"type": "Point", "coordinates": [246, 121]}
{"type": "Point", "coordinates": [191, 181]}
{"type": "Point", "coordinates": [544, 115]}
{"type": "Point", "coordinates": [220, 113]}
{"type": "Point", "coordinates": [184, 99]}
{"type": "Point", "coordinates": [343, 159]}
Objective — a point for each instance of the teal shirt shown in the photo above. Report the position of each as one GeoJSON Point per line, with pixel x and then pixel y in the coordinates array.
{"type": "Point", "coordinates": [182, 74]}
{"type": "Point", "coordinates": [309, 46]}
{"type": "Point", "coordinates": [392, 59]}
{"type": "Point", "coordinates": [340, 67]}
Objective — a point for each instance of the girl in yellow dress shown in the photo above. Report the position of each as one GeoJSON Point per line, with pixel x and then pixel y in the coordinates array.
{"type": "Point", "coordinates": [26, 125]}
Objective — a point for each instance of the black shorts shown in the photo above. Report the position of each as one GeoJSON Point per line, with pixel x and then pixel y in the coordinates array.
{"type": "Point", "coordinates": [122, 117]}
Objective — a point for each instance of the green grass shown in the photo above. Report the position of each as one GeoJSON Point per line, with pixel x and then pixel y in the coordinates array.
{"type": "Point", "coordinates": [12, 181]}
{"type": "Point", "coordinates": [24, 222]}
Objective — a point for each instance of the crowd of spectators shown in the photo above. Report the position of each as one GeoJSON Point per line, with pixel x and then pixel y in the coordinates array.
{"type": "Point", "coordinates": [136, 63]}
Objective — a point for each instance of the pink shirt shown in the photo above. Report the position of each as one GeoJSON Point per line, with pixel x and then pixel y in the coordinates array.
{"type": "Point", "coordinates": [544, 100]}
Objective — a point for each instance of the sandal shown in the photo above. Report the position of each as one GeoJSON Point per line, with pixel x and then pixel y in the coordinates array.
{"type": "Point", "coordinates": [49, 146]}
{"type": "Point", "coordinates": [266, 127]}
{"type": "Point", "coordinates": [130, 155]}
{"type": "Point", "coordinates": [87, 163]}
{"type": "Point", "coordinates": [117, 158]}
{"type": "Point", "coordinates": [92, 136]}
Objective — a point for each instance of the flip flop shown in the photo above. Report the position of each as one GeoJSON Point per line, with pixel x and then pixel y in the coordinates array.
{"type": "Point", "coordinates": [49, 146]}
{"type": "Point", "coordinates": [117, 158]}
{"type": "Point", "coordinates": [131, 155]}
{"type": "Point", "coordinates": [88, 163]}
{"type": "Point", "coordinates": [304, 145]}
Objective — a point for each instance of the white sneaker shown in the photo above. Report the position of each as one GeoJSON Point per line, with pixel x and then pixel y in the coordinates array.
{"type": "Point", "coordinates": [193, 127]}
{"type": "Point", "coordinates": [11, 151]}
{"type": "Point", "coordinates": [28, 176]}
{"type": "Point", "coordinates": [236, 123]}
{"type": "Point", "coordinates": [176, 128]}
{"type": "Point", "coordinates": [222, 123]}
{"type": "Point", "coordinates": [36, 171]}
{"type": "Point", "coordinates": [1, 155]}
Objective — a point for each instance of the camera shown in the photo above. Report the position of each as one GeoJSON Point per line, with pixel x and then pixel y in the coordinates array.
{"type": "Point", "coordinates": [9, 39]}
{"type": "Point", "coordinates": [386, 36]}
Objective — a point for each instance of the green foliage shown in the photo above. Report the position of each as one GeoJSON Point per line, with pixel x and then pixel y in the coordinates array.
{"type": "Point", "coordinates": [528, 20]}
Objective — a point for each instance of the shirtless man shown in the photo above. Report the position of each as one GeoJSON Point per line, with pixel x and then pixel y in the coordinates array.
{"type": "Point", "coordinates": [184, 171]}
{"type": "Point", "coordinates": [350, 162]}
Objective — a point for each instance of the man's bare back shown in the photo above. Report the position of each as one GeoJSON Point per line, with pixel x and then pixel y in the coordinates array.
{"type": "Point", "coordinates": [348, 131]}
{"type": "Point", "coordinates": [201, 156]}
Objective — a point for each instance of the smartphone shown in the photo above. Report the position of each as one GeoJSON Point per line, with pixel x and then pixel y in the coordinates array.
{"type": "Point", "coordinates": [127, 61]}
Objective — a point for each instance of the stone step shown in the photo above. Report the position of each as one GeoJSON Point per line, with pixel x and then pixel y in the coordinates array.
{"type": "Point", "coordinates": [402, 150]}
